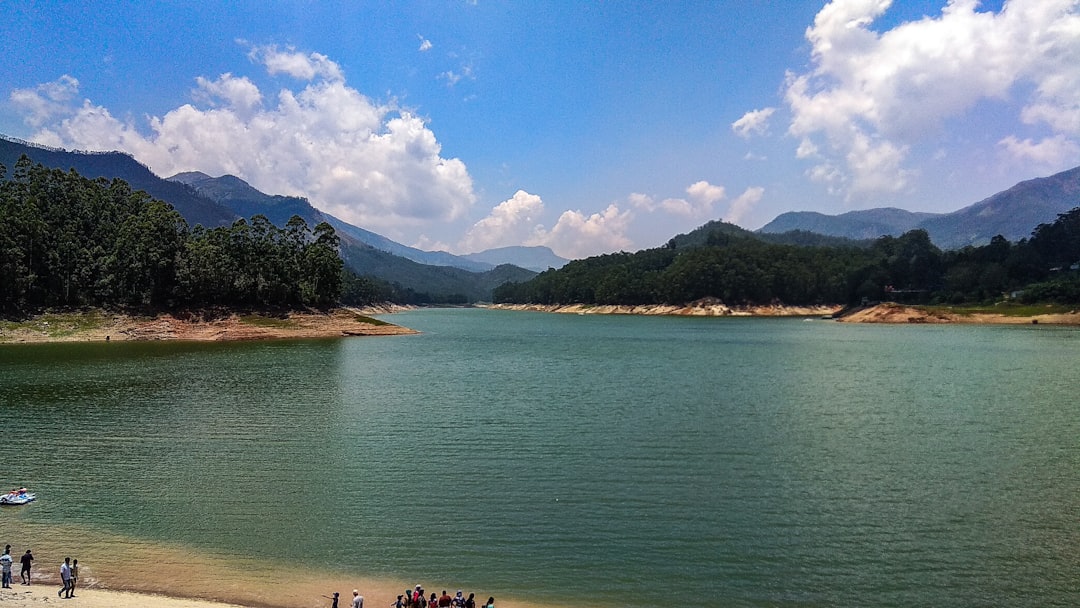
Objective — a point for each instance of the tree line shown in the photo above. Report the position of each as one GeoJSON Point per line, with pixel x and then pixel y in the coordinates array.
{"type": "Point", "coordinates": [68, 241]}
{"type": "Point", "coordinates": [743, 269]}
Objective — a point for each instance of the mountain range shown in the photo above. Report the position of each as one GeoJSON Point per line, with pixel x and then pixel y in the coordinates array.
{"type": "Point", "coordinates": [211, 202]}
{"type": "Point", "coordinates": [1013, 213]}
{"type": "Point", "coordinates": [219, 201]}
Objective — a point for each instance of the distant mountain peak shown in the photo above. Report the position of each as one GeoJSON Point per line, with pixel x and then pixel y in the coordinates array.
{"type": "Point", "coordinates": [189, 177]}
{"type": "Point", "coordinates": [537, 258]}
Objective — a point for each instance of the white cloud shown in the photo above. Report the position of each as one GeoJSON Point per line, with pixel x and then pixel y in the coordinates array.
{"type": "Point", "coordinates": [371, 164]}
{"type": "Point", "coordinates": [577, 235]}
{"type": "Point", "coordinates": [754, 122]}
{"type": "Point", "coordinates": [296, 64]}
{"type": "Point", "coordinates": [452, 78]}
{"type": "Point", "coordinates": [641, 201]}
{"type": "Point", "coordinates": [425, 44]}
{"type": "Point", "coordinates": [705, 194]}
{"type": "Point", "coordinates": [743, 204]}
{"type": "Point", "coordinates": [702, 197]}
{"type": "Point", "coordinates": [511, 222]}
{"type": "Point", "coordinates": [869, 96]}
{"type": "Point", "coordinates": [1051, 152]}
{"type": "Point", "coordinates": [238, 93]}
{"type": "Point", "coordinates": [46, 101]}
{"type": "Point", "coordinates": [426, 243]}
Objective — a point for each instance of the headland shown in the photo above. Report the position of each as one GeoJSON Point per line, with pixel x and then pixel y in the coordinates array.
{"type": "Point", "coordinates": [102, 326]}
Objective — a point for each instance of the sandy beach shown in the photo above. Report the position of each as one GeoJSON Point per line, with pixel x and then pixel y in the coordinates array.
{"type": "Point", "coordinates": [121, 571]}
{"type": "Point", "coordinates": [44, 595]}
{"type": "Point", "coordinates": [40, 596]}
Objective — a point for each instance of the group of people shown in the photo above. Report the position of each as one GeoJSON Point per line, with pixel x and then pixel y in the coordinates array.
{"type": "Point", "coordinates": [69, 571]}
{"type": "Point", "coordinates": [415, 598]}
{"type": "Point", "coordinates": [5, 565]}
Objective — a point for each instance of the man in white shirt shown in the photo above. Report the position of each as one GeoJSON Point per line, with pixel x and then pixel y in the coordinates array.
{"type": "Point", "coordinates": [65, 575]}
{"type": "Point", "coordinates": [5, 566]}
{"type": "Point", "coordinates": [357, 599]}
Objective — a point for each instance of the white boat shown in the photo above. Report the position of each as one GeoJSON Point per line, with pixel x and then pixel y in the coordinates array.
{"type": "Point", "coordinates": [17, 498]}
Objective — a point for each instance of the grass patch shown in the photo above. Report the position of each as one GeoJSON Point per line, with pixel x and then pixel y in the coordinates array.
{"type": "Point", "coordinates": [58, 325]}
{"type": "Point", "coordinates": [371, 320]}
{"type": "Point", "coordinates": [271, 322]}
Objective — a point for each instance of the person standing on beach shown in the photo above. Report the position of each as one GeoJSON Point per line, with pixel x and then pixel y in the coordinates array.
{"type": "Point", "coordinates": [335, 598]}
{"type": "Point", "coordinates": [74, 576]}
{"type": "Point", "coordinates": [65, 575]}
{"type": "Point", "coordinates": [5, 567]}
{"type": "Point", "coordinates": [25, 572]}
{"type": "Point", "coordinates": [357, 599]}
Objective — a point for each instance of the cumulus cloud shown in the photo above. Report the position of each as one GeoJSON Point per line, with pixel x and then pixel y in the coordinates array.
{"type": "Point", "coordinates": [1050, 152]}
{"type": "Point", "coordinates": [705, 194]}
{"type": "Point", "coordinates": [869, 96]}
{"type": "Point", "coordinates": [511, 222]}
{"type": "Point", "coordinates": [425, 44]}
{"type": "Point", "coordinates": [701, 197]}
{"type": "Point", "coordinates": [238, 93]}
{"type": "Point", "coordinates": [575, 234]}
{"type": "Point", "coordinates": [46, 101]}
{"type": "Point", "coordinates": [743, 204]}
{"type": "Point", "coordinates": [296, 64]}
{"type": "Point", "coordinates": [371, 164]}
{"type": "Point", "coordinates": [578, 235]}
{"type": "Point", "coordinates": [754, 122]}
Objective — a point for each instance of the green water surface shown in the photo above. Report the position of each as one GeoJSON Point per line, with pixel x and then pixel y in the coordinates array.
{"type": "Point", "coordinates": [631, 461]}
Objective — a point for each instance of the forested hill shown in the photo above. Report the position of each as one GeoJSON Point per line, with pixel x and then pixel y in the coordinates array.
{"type": "Point", "coordinates": [404, 279]}
{"type": "Point", "coordinates": [194, 208]}
{"type": "Point", "coordinates": [218, 202]}
{"type": "Point", "coordinates": [69, 241]}
{"type": "Point", "coordinates": [726, 263]}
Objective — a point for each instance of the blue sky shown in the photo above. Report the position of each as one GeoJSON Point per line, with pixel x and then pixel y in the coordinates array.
{"type": "Point", "coordinates": [589, 127]}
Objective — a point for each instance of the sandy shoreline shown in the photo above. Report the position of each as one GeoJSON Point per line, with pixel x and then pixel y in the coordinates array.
{"type": "Point", "coordinates": [701, 308]}
{"type": "Point", "coordinates": [899, 314]}
{"type": "Point", "coordinates": [100, 326]}
{"type": "Point", "coordinates": [880, 313]}
{"type": "Point", "coordinates": [121, 571]}
{"type": "Point", "coordinates": [40, 596]}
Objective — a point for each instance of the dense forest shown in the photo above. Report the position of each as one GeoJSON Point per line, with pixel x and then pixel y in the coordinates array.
{"type": "Point", "coordinates": [738, 267]}
{"type": "Point", "coordinates": [67, 241]}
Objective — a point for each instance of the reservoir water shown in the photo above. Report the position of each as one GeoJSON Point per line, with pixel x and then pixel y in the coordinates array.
{"type": "Point", "coordinates": [564, 459]}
